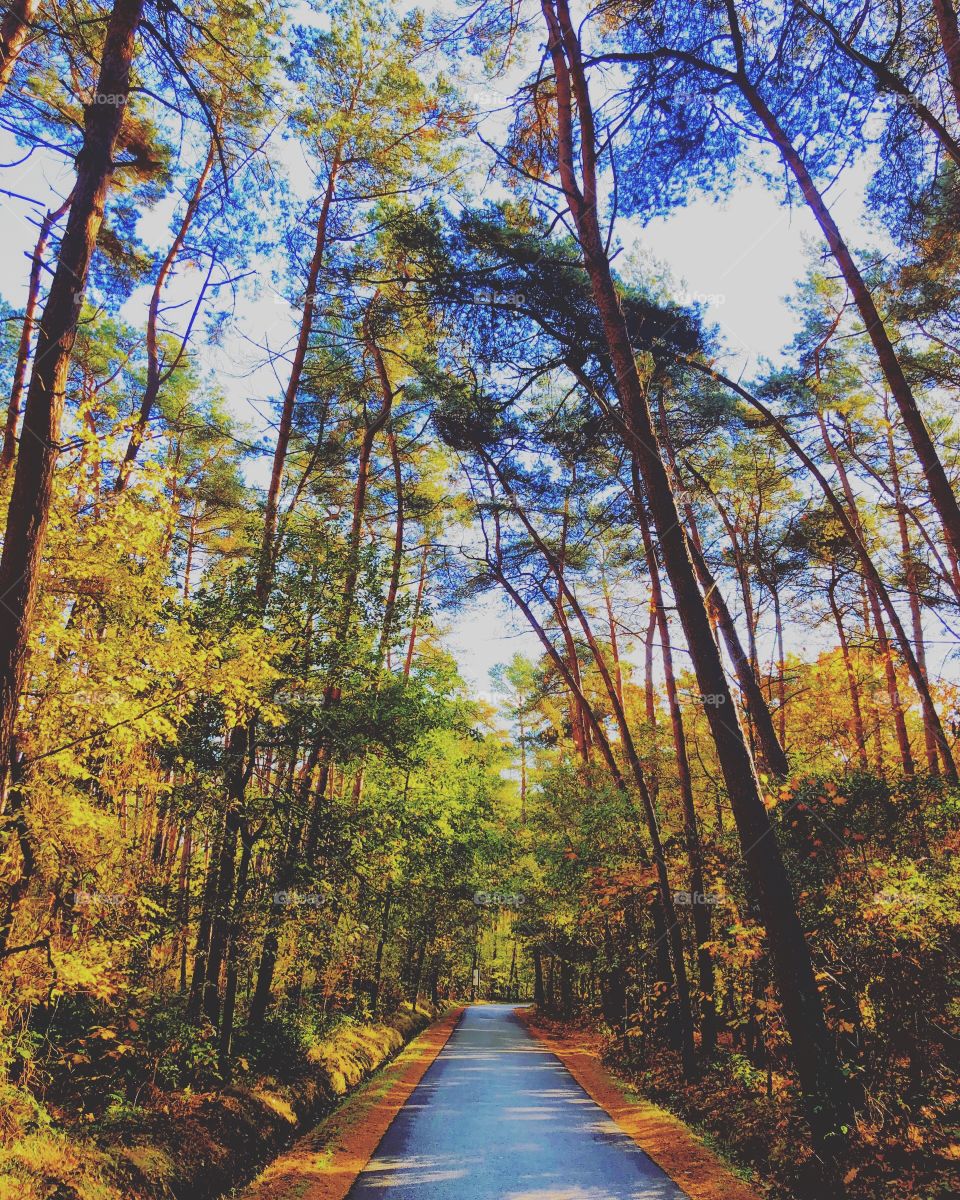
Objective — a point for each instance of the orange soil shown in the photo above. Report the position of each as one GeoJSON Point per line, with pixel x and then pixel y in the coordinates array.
{"type": "Point", "coordinates": [663, 1136]}
{"type": "Point", "coordinates": [323, 1164]}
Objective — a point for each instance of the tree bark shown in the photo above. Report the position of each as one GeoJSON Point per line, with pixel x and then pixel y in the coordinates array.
{"type": "Point", "coordinates": [941, 492]}
{"type": "Point", "coordinates": [873, 596]}
{"type": "Point", "coordinates": [950, 39]}
{"type": "Point", "coordinates": [14, 32]}
{"type": "Point", "coordinates": [285, 428]}
{"type": "Point", "coordinates": [636, 769]}
{"type": "Point", "coordinates": [909, 561]}
{"type": "Point", "coordinates": [9, 450]}
{"type": "Point", "coordinates": [813, 1051]}
{"type": "Point", "coordinates": [859, 733]}
{"type": "Point", "coordinates": [39, 445]}
{"type": "Point", "coordinates": [760, 720]}
{"type": "Point", "coordinates": [866, 562]}
{"type": "Point", "coordinates": [415, 618]}
{"type": "Point", "coordinates": [156, 376]}
{"type": "Point", "coordinates": [700, 907]}
{"type": "Point", "coordinates": [772, 752]}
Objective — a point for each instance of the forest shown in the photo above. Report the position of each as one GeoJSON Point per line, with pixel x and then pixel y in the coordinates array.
{"type": "Point", "coordinates": [331, 339]}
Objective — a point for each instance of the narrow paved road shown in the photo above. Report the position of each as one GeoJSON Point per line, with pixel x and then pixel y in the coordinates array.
{"type": "Point", "coordinates": [497, 1117]}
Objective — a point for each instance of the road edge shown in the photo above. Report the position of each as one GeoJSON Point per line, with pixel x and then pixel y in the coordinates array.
{"type": "Point", "coordinates": [324, 1163]}
{"type": "Point", "coordinates": [663, 1137]}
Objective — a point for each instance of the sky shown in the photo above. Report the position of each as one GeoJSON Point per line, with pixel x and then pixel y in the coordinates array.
{"type": "Point", "coordinates": [739, 257]}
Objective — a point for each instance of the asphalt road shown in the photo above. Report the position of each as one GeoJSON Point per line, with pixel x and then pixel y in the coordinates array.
{"type": "Point", "coordinates": [497, 1117]}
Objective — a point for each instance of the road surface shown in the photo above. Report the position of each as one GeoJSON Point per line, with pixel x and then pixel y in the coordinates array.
{"type": "Point", "coordinates": [498, 1117]}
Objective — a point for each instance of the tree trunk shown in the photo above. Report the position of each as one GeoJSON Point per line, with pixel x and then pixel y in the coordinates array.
{"type": "Point", "coordinates": [719, 615]}
{"type": "Point", "coordinates": [538, 993]}
{"type": "Point", "coordinates": [381, 946]}
{"type": "Point", "coordinates": [414, 620]}
{"type": "Point", "coordinates": [700, 907]}
{"type": "Point", "coordinates": [781, 667]}
{"type": "Point", "coordinates": [813, 1052]}
{"type": "Point", "coordinates": [285, 428]}
{"type": "Point", "coordinates": [225, 1038]}
{"type": "Point", "coordinates": [397, 561]}
{"type": "Point", "coordinates": [859, 733]}
{"type": "Point", "coordinates": [874, 587]}
{"type": "Point", "coordinates": [913, 594]}
{"type": "Point", "coordinates": [224, 865]}
{"type": "Point", "coordinates": [14, 32]}
{"type": "Point", "coordinates": [39, 446]}
{"type": "Point", "coordinates": [950, 39]}
{"type": "Point", "coordinates": [941, 493]}
{"type": "Point", "coordinates": [636, 769]}
{"type": "Point", "coordinates": [754, 701]}
{"type": "Point", "coordinates": [156, 376]}
{"type": "Point", "coordinates": [10, 429]}
{"type": "Point", "coordinates": [866, 562]}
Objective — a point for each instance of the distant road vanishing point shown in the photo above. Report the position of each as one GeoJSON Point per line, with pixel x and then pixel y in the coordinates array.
{"type": "Point", "coordinates": [498, 1117]}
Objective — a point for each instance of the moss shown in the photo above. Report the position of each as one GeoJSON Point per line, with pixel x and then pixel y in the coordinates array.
{"type": "Point", "coordinates": [191, 1147]}
{"type": "Point", "coordinates": [48, 1164]}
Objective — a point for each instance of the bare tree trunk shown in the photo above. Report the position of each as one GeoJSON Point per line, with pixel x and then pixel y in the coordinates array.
{"type": "Point", "coordinates": [191, 540]}
{"type": "Point", "coordinates": [941, 492]}
{"type": "Point", "coordinates": [418, 601]}
{"type": "Point", "coordinates": [284, 876]}
{"type": "Point", "coordinates": [890, 676]}
{"type": "Point", "coordinates": [14, 32]}
{"type": "Point", "coordinates": [950, 39]}
{"type": "Point", "coordinates": [183, 900]}
{"type": "Point", "coordinates": [228, 1014]}
{"type": "Point", "coordinates": [873, 588]}
{"type": "Point", "coordinates": [614, 643]}
{"type": "Point", "coordinates": [285, 428]}
{"type": "Point", "coordinates": [866, 562]}
{"type": "Point", "coordinates": [878, 726]}
{"type": "Point", "coordinates": [156, 376]}
{"type": "Point", "coordinates": [393, 588]}
{"type": "Point", "coordinates": [760, 722]}
{"type": "Point", "coordinates": [814, 1056]}
{"type": "Point", "coordinates": [781, 667]}
{"type": "Point", "coordinates": [859, 733]}
{"type": "Point", "coordinates": [755, 703]}
{"type": "Point", "coordinates": [39, 447]}
{"type": "Point", "coordinates": [331, 696]}
{"type": "Point", "coordinates": [9, 450]}
{"type": "Point", "coordinates": [538, 992]}
{"type": "Point", "coordinates": [381, 946]}
{"type": "Point", "coordinates": [913, 595]}
{"type": "Point", "coordinates": [636, 769]}
{"type": "Point", "coordinates": [700, 908]}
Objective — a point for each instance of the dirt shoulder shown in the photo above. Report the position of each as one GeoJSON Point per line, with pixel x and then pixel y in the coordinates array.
{"type": "Point", "coordinates": [323, 1164]}
{"type": "Point", "coordinates": [670, 1143]}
